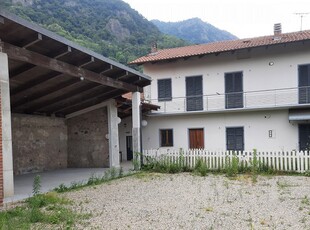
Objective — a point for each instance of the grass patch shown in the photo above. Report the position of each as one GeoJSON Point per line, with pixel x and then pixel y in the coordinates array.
{"type": "Point", "coordinates": [110, 174]}
{"type": "Point", "coordinates": [42, 210]}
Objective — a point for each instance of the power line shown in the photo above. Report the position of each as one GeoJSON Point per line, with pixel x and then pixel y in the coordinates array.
{"type": "Point", "coordinates": [301, 17]}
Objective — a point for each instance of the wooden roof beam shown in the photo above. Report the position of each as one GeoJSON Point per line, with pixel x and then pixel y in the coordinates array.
{"type": "Point", "coordinates": [21, 70]}
{"type": "Point", "coordinates": [59, 95]}
{"type": "Point", "coordinates": [92, 59]}
{"type": "Point", "coordinates": [35, 82]}
{"type": "Point", "coordinates": [106, 70]}
{"type": "Point", "coordinates": [44, 93]}
{"type": "Point", "coordinates": [69, 101]}
{"type": "Point", "coordinates": [87, 100]}
{"type": "Point", "coordinates": [92, 102]}
{"type": "Point", "coordinates": [69, 50]}
{"type": "Point", "coordinates": [21, 54]}
{"type": "Point", "coordinates": [33, 42]}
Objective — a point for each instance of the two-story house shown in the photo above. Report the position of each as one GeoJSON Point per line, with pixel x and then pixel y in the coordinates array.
{"type": "Point", "coordinates": [231, 95]}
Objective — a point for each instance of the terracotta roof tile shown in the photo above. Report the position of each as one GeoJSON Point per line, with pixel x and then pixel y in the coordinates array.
{"type": "Point", "coordinates": [223, 46]}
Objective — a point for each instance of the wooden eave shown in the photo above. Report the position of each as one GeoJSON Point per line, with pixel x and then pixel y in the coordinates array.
{"type": "Point", "coordinates": [50, 75]}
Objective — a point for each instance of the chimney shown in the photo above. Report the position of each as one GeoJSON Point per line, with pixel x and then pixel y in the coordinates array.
{"type": "Point", "coordinates": [154, 48]}
{"type": "Point", "coordinates": [277, 28]}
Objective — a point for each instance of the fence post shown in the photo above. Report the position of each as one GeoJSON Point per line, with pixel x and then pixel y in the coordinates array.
{"type": "Point", "coordinates": [301, 155]}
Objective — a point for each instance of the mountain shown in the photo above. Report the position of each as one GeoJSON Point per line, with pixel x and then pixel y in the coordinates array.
{"type": "Point", "coordinates": [194, 31]}
{"type": "Point", "coordinates": [109, 27]}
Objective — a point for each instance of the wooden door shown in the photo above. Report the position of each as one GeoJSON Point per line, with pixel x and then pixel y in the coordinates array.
{"type": "Point", "coordinates": [196, 139]}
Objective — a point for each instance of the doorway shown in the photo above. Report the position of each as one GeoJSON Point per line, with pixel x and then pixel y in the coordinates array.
{"type": "Point", "coordinates": [129, 148]}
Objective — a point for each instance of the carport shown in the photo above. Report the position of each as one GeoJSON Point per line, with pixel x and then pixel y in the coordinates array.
{"type": "Point", "coordinates": [59, 103]}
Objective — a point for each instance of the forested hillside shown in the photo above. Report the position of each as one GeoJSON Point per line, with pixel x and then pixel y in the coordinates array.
{"type": "Point", "coordinates": [194, 30]}
{"type": "Point", "coordinates": [109, 27]}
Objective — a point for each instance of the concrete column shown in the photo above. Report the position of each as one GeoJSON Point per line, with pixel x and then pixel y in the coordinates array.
{"type": "Point", "coordinates": [8, 185]}
{"type": "Point", "coordinates": [136, 122]}
{"type": "Point", "coordinates": [113, 135]}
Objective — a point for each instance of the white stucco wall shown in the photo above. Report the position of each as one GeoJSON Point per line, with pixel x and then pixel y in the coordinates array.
{"type": "Point", "coordinates": [124, 130]}
{"type": "Point", "coordinates": [257, 73]}
{"type": "Point", "coordinates": [256, 126]}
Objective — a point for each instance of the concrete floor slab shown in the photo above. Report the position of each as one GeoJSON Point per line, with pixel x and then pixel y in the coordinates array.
{"type": "Point", "coordinates": [49, 180]}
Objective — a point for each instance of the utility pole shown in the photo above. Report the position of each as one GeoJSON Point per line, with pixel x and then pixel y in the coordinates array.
{"type": "Point", "coordinates": [301, 17]}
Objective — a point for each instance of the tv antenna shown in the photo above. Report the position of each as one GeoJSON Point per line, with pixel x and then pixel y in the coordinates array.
{"type": "Point", "coordinates": [301, 15]}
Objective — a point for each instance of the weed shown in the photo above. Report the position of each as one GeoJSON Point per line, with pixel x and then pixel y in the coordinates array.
{"type": "Point", "coordinates": [283, 184]}
{"type": "Point", "coordinates": [136, 161]}
{"type": "Point", "coordinates": [121, 172]}
{"type": "Point", "coordinates": [113, 173]}
{"type": "Point", "coordinates": [305, 200]}
{"type": "Point", "coordinates": [307, 173]}
{"type": "Point", "coordinates": [209, 209]}
{"type": "Point", "coordinates": [36, 186]}
{"type": "Point", "coordinates": [231, 166]}
{"type": "Point", "coordinates": [254, 166]}
{"type": "Point", "coordinates": [201, 167]}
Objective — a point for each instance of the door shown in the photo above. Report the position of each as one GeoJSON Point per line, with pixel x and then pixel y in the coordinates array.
{"type": "Point", "coordinates": [304, 137]}
{"type": "Point", "coordinates": [304, 84]}
{"type": "Point", "coordinates": [129, 148]}
{"type": "Point", "coordinates": [194, 93]}
{"type": "Point", "coordinates": [196, 139]}
{"type": "Point", "coordinates": [233, 90]}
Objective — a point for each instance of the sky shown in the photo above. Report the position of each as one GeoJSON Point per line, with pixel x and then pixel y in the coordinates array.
{"type": "Point", "coordinates": [243, 18]}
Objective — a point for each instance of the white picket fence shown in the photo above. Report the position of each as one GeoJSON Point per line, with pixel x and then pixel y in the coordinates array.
{"type": "Point", "coordinates": [294, 161]}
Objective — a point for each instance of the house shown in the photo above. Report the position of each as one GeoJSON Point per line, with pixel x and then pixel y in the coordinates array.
{"type": "Point", "coordinates": [60, 103]}
{"type": "Point", "coordinates": [231, 95]}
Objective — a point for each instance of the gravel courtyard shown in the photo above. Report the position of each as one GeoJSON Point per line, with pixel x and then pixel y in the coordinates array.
{"type": "Point", "coordinates": [184, 201]}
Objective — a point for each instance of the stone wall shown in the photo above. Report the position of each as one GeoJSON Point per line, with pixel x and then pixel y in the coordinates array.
{"type": "Point", "coordinates": [88, 146]}
{"type": "Point", "coordinates": [39, 143]}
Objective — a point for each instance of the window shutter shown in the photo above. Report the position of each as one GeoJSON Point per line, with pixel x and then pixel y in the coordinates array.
{"type": "Point", "coordinates": [164, 90]}
{"type": "Point", "coordinates": [235, 139]}
{"type": "Point", "coordinates": [304, 137]}
{"type": "Point", "coordinates": [304, 83]}
{"type": "Point", "coordinates": [233, 90]}
{"type": "Point", "coordinates": [194, 98]}
{"type": "Point", "coordinates": [229, 85]}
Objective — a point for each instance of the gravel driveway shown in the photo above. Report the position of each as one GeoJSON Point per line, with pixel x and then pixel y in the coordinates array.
{"type": "Point", "coordinates": [184, 201]}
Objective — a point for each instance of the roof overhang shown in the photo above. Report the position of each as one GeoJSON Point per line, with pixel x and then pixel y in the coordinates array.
{"type": "Point", "coordinates": [50, 75]}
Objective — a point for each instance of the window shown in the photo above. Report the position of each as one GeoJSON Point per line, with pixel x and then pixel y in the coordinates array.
{"type": "Point", "coordinates": [164, 90]}
{"type": "Point", "coordinates": [304, 83]}
{"type": "Point", "coordinates": [304, 137]}
{"type": "Point", "coordinates": [166, 137]}
{"type": "Point", "coordinates": [233, 90]}
{"type": "Point", "coordinates": [194, 93]}
{"type": "Point", "coordinates": [235, 139]}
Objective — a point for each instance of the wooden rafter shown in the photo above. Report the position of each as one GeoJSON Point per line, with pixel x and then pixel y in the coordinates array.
{"type": "Point", "coordinates": [57, 96]}
{"type": "Point", "coordinates": [34, 83]}
{"type": "Point", "coordinates": [21, 54]}
{"type": "Point", "coordinates": [92, 101]}
{"type": "Point", "coordinates": [44, 93]}
{"type": "Point", "coordinates": [74, 99]}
